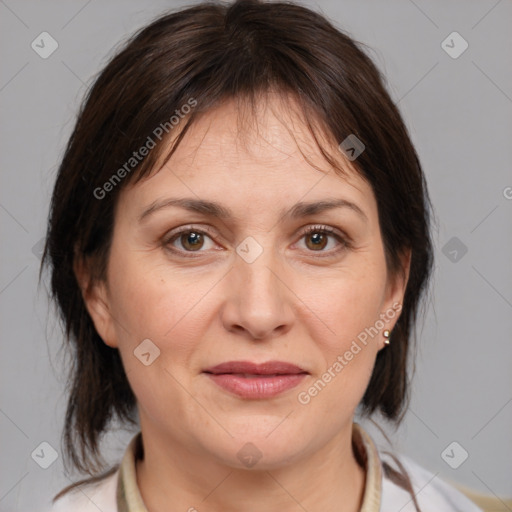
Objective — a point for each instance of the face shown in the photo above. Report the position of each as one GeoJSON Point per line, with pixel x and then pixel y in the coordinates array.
{"type": "Point", "coordinates": [187, 290]}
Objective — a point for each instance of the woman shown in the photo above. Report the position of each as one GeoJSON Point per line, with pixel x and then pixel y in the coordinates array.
{"type": "Point", "coordinates": [239, 244]}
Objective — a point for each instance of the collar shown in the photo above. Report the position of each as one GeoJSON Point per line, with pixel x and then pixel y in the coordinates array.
{"type": "Point", "coordinates": [129, 498]}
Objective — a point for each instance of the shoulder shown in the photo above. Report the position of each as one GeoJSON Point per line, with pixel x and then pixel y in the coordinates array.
{"type": "Point", "coordinates": [432, 493]}
{"type": "Point", "coordinates": [90, 497]}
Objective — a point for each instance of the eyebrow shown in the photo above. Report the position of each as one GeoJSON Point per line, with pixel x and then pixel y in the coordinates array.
{"type": "Point", "coordinates": [212, 209]}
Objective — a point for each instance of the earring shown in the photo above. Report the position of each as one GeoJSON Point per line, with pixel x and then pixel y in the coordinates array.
{"type": "Point", "coordinates": [386, 334]}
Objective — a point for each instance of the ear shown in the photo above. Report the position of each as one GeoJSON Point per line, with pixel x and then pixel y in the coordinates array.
{"type": "Point", "coordinates": [395, 288]}
{"type": "Point", "coordinates": [96, 299]}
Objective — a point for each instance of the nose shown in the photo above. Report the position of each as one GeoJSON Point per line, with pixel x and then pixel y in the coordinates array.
{"type": "Point", "coordinates": [259, 301]}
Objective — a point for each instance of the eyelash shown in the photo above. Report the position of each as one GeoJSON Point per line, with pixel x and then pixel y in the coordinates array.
{"type": "Point", "coordinates": [327, 230]}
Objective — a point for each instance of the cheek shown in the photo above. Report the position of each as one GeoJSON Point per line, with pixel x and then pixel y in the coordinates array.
{"type": "Point", "coordinates": [346, 310]}
{"type": "Point", "coordinates": [169, 308]}
{"type": "Point", "coordinates": [347, 305]}
{"type": "Point", "coordinates": [151, 301]}
{"type": "Point", "coordinates": [149, 304]}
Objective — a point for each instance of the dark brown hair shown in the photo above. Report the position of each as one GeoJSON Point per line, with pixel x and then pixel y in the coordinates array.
{"type": "Point", "coordinates": [212, 53]}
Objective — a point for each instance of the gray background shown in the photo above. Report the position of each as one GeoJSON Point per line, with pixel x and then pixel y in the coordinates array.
{"type": "Point", "coordinates": [459, 115]}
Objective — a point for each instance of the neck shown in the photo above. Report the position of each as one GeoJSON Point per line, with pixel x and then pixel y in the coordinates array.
{"type": "Point", "coordinates": [328, 479]}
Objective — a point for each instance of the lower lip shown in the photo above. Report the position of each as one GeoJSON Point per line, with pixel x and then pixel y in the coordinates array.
{"type": "Point", "coordinates": [256, 387]}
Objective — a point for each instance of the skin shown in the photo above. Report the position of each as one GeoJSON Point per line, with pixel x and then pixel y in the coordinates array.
{"type": "Point", "coordinates": [289, 304]}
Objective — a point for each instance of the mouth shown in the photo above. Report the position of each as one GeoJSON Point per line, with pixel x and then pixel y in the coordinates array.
{"type": "Point", "coordinates": [269, 368]}
{"type": "Point", "coordinates": [256, 381]}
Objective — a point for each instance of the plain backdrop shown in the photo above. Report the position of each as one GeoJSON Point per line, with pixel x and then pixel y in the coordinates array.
{"type": "Point", "coordinates": [459, 113]}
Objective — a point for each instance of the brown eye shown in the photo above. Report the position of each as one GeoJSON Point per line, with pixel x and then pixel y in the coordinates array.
{"type": "Point", "coordinates": [318, 240]}
{"type": "Point", "coordinates": [192, 240]}
{"type": "Point", "coordinates": [189, 241]}
{"type": "Point", "coordinates": [324, 240]}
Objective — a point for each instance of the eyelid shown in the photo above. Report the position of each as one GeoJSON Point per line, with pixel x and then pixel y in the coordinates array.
{"type": "Point", "coordinates": [208, 230]}
{"type": "Point", "coordinates": [323, 227]}
{"type": "Point", "coordinates": [192, 227]}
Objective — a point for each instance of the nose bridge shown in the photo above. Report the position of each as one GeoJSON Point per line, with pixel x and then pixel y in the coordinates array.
{"type": "Point", "coordinates": [258, 300]}
{"type": "Point", "coordinates": [259, 277]}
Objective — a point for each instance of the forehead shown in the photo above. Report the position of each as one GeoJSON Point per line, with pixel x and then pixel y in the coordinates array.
{"type": "Point", "coordinates": [267, 153]}
{"type": "Point", "coordinates": [273, 130]}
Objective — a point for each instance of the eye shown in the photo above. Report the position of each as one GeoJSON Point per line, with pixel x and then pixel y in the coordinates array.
{"type": "Point", "coordinates": [190, 239]}
{"type": "Point", "coordinates": [317, 239]}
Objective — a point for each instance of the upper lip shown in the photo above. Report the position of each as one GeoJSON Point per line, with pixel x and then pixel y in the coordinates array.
{"type": "Point", "coordinates": [267, 368]}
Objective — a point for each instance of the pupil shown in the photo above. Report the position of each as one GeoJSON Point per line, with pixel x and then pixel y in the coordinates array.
{"type": "Point", "coordinates": [318, 240]}
{"type": "Point", "coordinates": [193, 239]}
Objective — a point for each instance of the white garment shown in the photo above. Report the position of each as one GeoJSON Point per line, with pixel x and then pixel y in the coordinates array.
{"type": "Point", "coordinates": [432, 493]}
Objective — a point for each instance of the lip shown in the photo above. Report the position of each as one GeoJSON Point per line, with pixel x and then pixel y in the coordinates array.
{"type": "Point", "coordinates": [256, 381]}
{"type": "Point", "coordinates": [267, 368]}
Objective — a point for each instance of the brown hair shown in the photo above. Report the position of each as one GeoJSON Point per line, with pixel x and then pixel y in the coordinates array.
{"type": "Point", "coordinates": [212, 53]}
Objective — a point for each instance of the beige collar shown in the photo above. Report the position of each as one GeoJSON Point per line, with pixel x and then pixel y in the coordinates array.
{"type": "Point", "coordinates": [129, 498]}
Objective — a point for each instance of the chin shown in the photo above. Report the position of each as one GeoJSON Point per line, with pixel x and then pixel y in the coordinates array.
{"type": "Point", "coordinates": [256, 449]}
